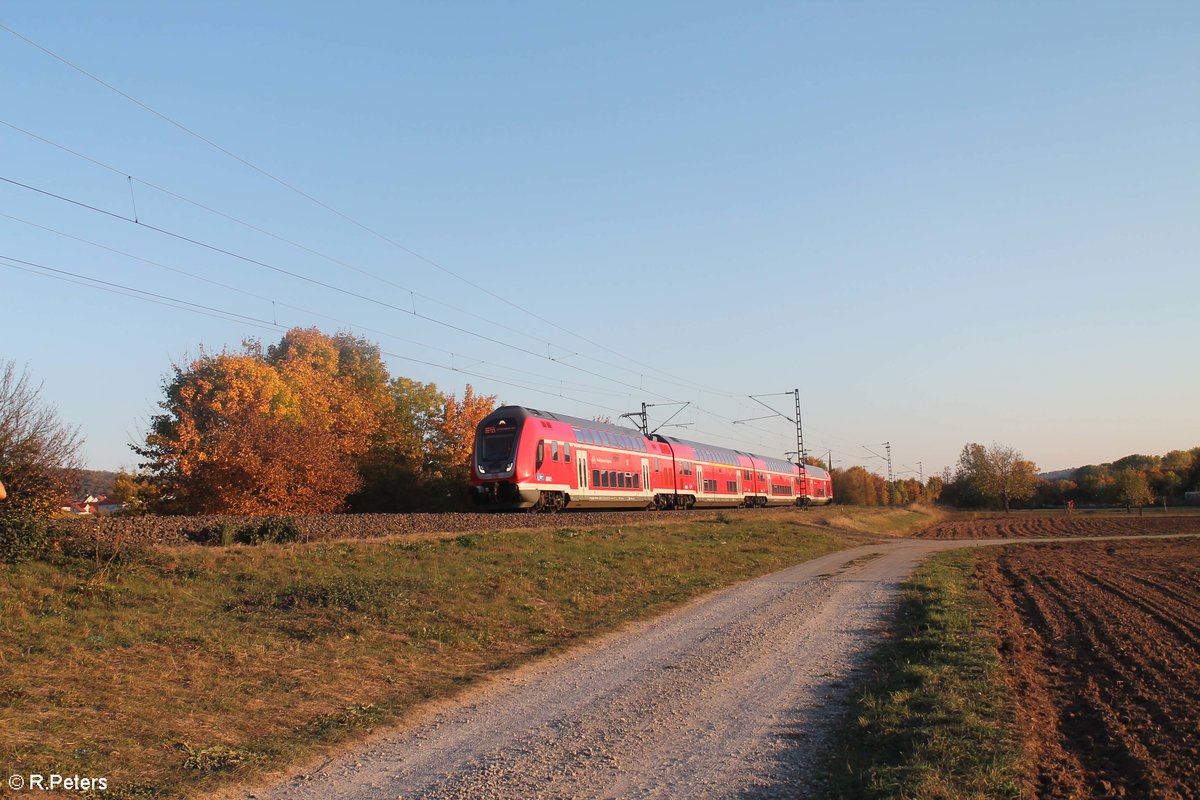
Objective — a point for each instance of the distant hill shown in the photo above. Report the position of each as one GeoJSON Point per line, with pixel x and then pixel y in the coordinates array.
{"type": "Point", "coordinates": [1058, 474]}
{"type": "Point", "coordinates": [96, 482]}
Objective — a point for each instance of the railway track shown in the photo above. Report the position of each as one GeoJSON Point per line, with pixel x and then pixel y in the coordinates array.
{"type": "Point", "coordinates": [317, 527]}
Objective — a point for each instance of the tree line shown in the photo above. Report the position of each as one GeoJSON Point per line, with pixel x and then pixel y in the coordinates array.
{"type": "Point", "coordinates": [315, 423]}
{"type": "Point", "coordinates": [1000, 477]}
{"type": "Point", "coordinates": [1134, 480]}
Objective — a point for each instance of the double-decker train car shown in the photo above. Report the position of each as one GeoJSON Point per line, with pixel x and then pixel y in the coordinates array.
{"type": "Point", "coordinates": [530, 459]}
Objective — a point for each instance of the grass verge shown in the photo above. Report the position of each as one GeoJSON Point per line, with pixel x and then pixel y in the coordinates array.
{"type": "Point", "coordinates": [172, 671]}
{"type": "Point", "coordinates": [934, 718]}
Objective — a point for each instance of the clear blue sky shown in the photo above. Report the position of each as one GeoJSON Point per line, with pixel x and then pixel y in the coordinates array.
{"type": "Point", "coordinates": [943, 222]}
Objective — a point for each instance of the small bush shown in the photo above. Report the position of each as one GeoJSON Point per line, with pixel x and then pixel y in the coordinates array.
{"type": "Point", "coordinates": [270, 530]}
{"type": "Point", "coordinates": [22, 538]}
{"type": "Point", "coordinates": [349, 594]}
{"type": "Point", "coordinates": [350, 718]}
{"type": "Point", "coordinates": [221, 535]}
{"type": "Point", "coordinates": [218, 758]}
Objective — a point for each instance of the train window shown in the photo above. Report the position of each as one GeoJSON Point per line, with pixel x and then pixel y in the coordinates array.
{"type": "Point", "coordinates": [554, 451]}
{"type": "Point", "coordinates": [595, 477]}
{"type": "Point", "coordinates": [746, 474]}
{"type": "Point", "coordinates": [541, 452]}
{"type": "Point", "coordinates": [656, 469]}
{"type": "Point", "coordinates": [567, 452]}
{"type": "Point", "coordinates": [731, 486]}
{"type": "Point", "coordinates": [612, 479]}
{"type": "Point", "coordinates": [604, 479]}
{"type": "Point", "coordinates": [621, 479]}
{"type": "Point", "coordinates": [635, 481]}
{"type": "Point", "coordinates": [579, 435]}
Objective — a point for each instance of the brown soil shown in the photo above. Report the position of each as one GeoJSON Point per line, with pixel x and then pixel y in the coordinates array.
{"type": "Point", "coordinates": [1101, 643]}
{"type": "Point", "coordinates": [1028, 526]}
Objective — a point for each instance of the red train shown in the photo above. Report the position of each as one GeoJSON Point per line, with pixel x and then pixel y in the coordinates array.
{"type": "Point", "coordinates": [530, 459]}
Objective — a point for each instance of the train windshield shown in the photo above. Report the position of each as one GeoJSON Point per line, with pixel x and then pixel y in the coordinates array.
{"type": "Point", "coordinates": [497, 446]}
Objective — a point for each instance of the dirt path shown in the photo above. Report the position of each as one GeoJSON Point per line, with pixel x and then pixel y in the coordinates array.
{"type": "Point", "coordinates": [728, 696]}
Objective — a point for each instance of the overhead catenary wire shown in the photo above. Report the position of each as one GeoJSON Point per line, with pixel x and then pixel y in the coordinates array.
{"type": "Point", "coordinates": [314, 281]}
{"type": "Point", "coordinates": [257, 229]}
{"type": "Point", "coordinates": [230, 316]}
{"type": "Point", "coordinates": [325, 256]}
{"type": "Point", "coordinates": [331, 209]}
{"type": "Point", "coordinates": [354, 326]}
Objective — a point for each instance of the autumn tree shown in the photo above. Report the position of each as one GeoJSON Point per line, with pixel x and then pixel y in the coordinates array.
{"type": "Point", "coordinates": [39, 453]}
{"type": "Point", "coordinates": [932, 492]}
{"type": "Point", "coordinates": [858, 486]}
{"type": "Point", "coordinates": [340, 384]}
{"type": "Point", "coordinates": [274, 432]}
{"type": "Point", "coordinates": [454, 436]}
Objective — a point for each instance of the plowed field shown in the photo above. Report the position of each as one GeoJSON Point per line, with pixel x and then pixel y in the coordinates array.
{"type": "Point", "coordinates": [1101, 642]}
{"type": "Point", "coordinates": [1021, 526]}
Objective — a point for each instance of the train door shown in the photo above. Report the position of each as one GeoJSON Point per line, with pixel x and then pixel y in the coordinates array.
{"type": "Point", "coordinates": [646, 476]}
{"type": "Point", "coordinates": [699, 479]}
{"type": "Point", "coordinates": [581, 461]}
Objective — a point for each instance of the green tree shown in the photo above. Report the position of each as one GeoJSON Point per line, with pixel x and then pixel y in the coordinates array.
{"type": "Point", "coordinates": [39, 453]}
{"type": "Point", "coordinates": [397, 468]}
{"type": "Point", "coordinates": [996, 473]}
{"type": "Point", "coordinates": [1133, 489]}
{"type": "Point", "coordinates": [136, 493]}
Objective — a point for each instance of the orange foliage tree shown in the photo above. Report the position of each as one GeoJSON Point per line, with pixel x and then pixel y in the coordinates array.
{"type": "Point", "coordinates": [454, 435]}
{"type": "Point", "coordinates": [249, 433]}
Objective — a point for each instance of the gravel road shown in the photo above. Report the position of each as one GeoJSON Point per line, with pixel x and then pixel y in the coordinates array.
{"type": "Point", "coordinates": [727, 696]}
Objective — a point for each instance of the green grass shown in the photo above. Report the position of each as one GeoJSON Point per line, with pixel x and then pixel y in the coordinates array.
{"type": "Point", "coordinates": [935, 717]}
{"type": "Point", "coordinates": [172, 671]}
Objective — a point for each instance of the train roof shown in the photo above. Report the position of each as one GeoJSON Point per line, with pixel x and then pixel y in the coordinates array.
{"type": "Point", "coordinates": [726, 455]}
{"type": "Point", "coordinates": [524, 412]}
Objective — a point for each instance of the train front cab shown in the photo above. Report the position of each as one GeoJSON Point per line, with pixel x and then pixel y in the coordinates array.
{"type": "Point", "coordinates": [497, 462]}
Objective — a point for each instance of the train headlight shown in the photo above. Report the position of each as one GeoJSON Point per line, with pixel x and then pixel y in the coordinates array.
{"type": "Point", "coordinates": [481, 469]}
{"type": "Point", "coordinates": [508, 468]}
